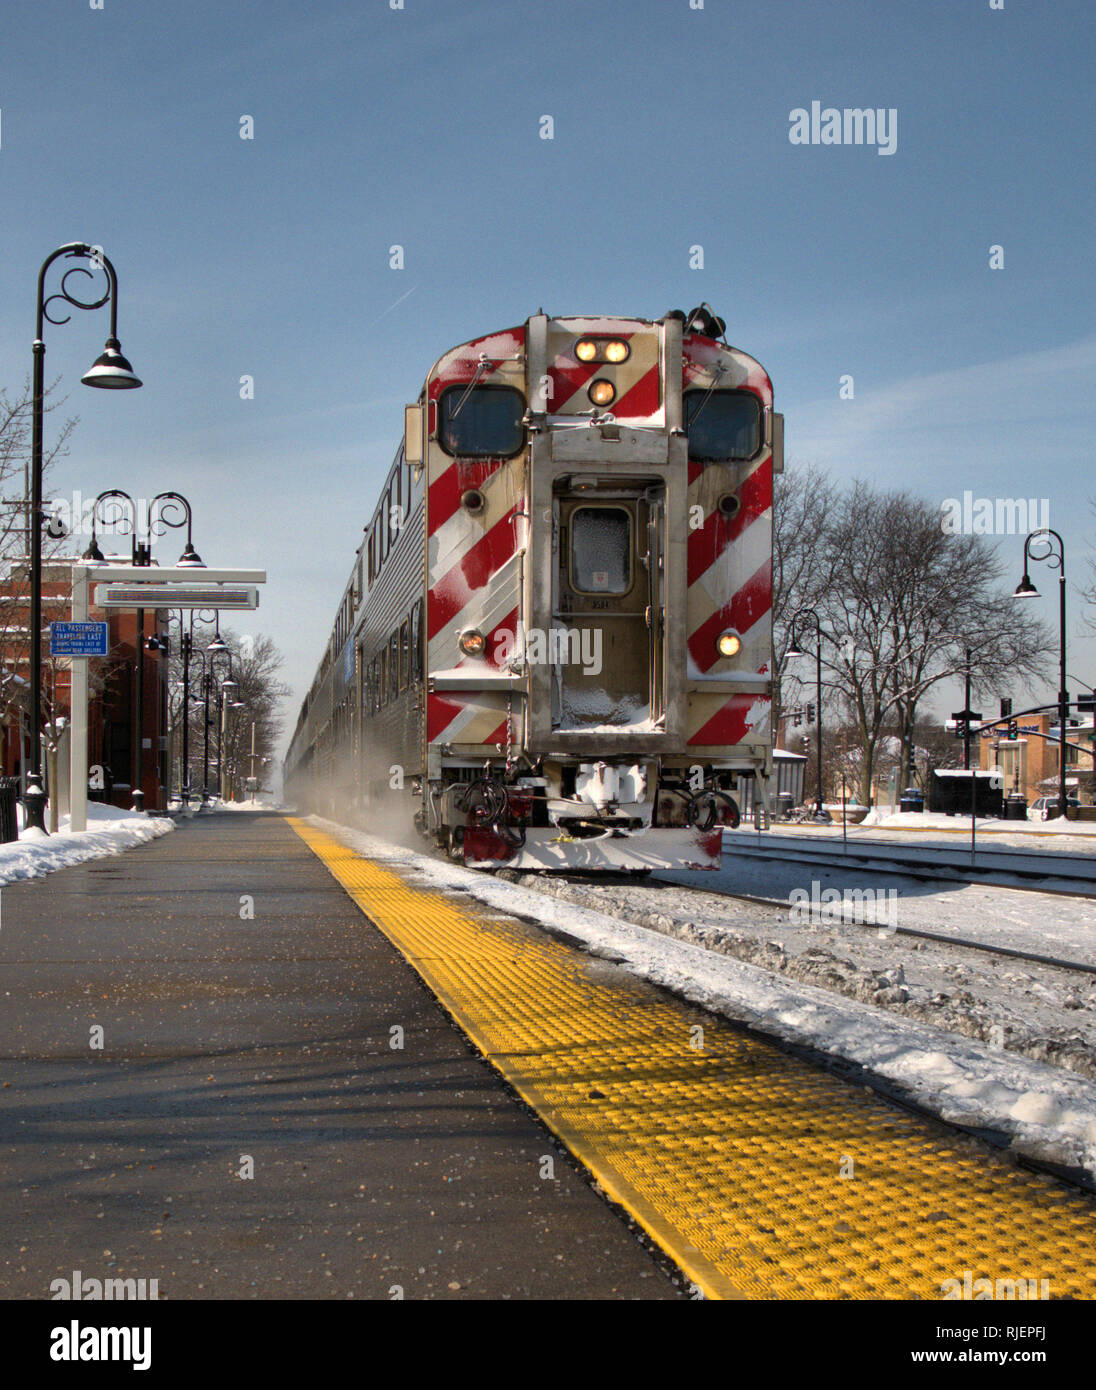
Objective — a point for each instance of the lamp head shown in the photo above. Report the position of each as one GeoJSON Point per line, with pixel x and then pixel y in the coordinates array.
{"type": "Point", "coordinates": [93, 555]}
{"type": "Point", "coordinates": [1025, 588]}
{"type": "Point", "coordinates": [217, 645]}
{"type": "Point", "coordinates": [111, 371]}
{"type": "Point", "coordinates": [190, 559]}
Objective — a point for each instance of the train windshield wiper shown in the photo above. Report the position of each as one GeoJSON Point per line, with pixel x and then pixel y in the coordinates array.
{"type": "Point", "coordinates": [720, 372]}
{"type": "Point", "coordinates": [484, 363]}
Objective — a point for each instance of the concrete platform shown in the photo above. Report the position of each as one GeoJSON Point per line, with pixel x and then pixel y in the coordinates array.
{"type": "Point", "coordinates": [227, 1037]}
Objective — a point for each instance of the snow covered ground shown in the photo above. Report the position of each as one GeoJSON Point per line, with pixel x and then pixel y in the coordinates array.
{"type": "Point", "coordinates": [923, 1018]}
{"type": "Point", "coordinates": [936, 827]}
{"type": "Point", "coordinates": [110, 831]}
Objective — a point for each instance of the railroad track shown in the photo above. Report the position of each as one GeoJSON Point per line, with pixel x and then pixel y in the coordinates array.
{"type": "Point", "coordinates": [967, 943]}
{"type": "Point", "coordinates": [1023, 869]}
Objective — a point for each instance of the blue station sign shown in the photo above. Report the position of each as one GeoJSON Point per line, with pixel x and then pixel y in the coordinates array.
{"type": "Point", "coordinates": [78, 639]}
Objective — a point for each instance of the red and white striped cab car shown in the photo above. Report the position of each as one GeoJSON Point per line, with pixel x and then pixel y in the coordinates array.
{"type": "Point", "coordinates": [555, 648]}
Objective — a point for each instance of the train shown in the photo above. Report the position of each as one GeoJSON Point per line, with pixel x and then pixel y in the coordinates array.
{"type": "Point", "coordinates": [554, 649]}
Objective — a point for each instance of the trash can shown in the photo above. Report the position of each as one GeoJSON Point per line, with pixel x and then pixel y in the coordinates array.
{"type": "Point", "coordinates": [784, 803]}
{"type": "Point", "coordinates": [1015, 806]}
{"type": "Point", "coordinates": [912, 799]}
{"type": "Point", "coordinates": [9, 816]}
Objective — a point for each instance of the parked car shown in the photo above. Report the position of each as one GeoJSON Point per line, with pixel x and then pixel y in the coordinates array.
{"type": "Point", "coordinates": [1046, 807]}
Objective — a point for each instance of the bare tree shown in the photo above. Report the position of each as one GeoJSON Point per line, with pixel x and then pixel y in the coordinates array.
{"type": "Point", "coordinates": [905, 604]}
{"type": "Point", "coordinates": [16, 420]}
{"type": "Point", "coordinates": [257, 700]}
{"type": "Point", "coordinates": [901, 603]}
{"type": "Point", "coordinates": [803, 499]}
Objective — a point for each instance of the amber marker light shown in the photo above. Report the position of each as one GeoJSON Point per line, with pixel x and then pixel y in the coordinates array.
{"type": "Point", "coordinates": [728, 644]}
{"type": "Point", "coordinates": [602, 392]}
{"type": "Point", "coordinates": [616, 350]}
{"type": "Point", "coordinates": [472, 642]}
{"type": "Point", "coordinates": [586, 350]}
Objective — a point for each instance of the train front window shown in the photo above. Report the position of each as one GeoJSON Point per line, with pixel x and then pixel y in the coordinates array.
{"type": "Point", "coordinates": [482, 423]}
{"type": "Point", "coordinates": [601, 550]}
{"type": "Point", "coordinates": [722, 425]}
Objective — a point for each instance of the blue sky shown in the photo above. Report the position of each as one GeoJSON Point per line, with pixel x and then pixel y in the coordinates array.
{"type": "Point", "coordinates": [372, 126]}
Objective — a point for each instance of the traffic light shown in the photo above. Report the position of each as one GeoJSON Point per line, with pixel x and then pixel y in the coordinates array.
{"type": "Point", "coordinates": [810, 714]}
{"type": "Point", "coordinates": [1006, 707]}
{"type": "Point", "coordinates": [960, 728]}
{"type": "Point", "coordinates": [806, 743]}
{"type": "Point", "coordinates": [797, 717]}
{"type": "Point", "coordinates": [1013, 730]}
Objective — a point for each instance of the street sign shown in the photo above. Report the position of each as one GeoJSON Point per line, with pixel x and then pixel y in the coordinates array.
{"type": "Point", "coordinates": [176, 596]}
{"type": "Point", "coordinates": [77, 639]}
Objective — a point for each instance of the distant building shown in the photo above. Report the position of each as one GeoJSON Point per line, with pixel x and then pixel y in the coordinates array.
{"type": "Point", "coordinates": [1029, 764]}
{"type": "Point", "coordinates": [113, 685]}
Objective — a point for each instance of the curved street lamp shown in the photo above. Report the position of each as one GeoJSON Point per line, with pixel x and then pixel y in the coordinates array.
{"type": "Point", "coordinates": [1044, 538]}
{"type": "Point", "coordinates": [166, 511]}
{"type": "Point", "coordinates": [109, 371]}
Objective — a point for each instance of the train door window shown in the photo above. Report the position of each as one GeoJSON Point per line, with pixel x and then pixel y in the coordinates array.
{"type": "Point", "coordinates": [382, 677]}
{"type": "Point", "coordinates": [416, 643]}
{"type": "Point", "coordinates": [405, 653]}
{"type": "Point", "coordinates": [394, 665]}
{"type": "Point", "coordinates": [722, 425]}
{"type": "Point", "coordinates": [601, 550]}
{"type": "Point", "coordinates": [484, 422]}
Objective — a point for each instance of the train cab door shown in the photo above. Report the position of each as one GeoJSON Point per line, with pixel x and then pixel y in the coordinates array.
{"type": "Point", "coordinates": [606, 648]}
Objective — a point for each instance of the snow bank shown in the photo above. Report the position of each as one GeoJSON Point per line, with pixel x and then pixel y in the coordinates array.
{"type": "Point", "coordinates": [110, 831]}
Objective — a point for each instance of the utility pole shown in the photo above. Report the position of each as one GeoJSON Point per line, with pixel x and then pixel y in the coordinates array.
{"type": "Point", "coordinates": [966, 722]}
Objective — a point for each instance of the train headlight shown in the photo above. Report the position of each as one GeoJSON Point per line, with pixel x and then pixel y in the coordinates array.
{"type": "Point", "coordinates": [472, 642]}
{"type": "Point", "coordinates": [602, 350]}
{"type": "Point", "coordinates": [728, 644]}
{"type": "Point", "coordinates": [602, 392]}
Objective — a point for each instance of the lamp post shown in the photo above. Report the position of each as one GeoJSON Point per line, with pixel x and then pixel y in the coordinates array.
{"type": "Point", "coordinates": [204, 656]}
{"type": "Point", "coordinates": [110, 371]}
{"type": "Point", "coordinates": [218, 647]}
{"type": "Point", "coordinates": [167, 510]}
{"type": "Point", "coordinates": [794, 651]}
{"type": "Point", "coordinates": [1044, 538]}
{"type": "Point", "coordinates": [225, 701]}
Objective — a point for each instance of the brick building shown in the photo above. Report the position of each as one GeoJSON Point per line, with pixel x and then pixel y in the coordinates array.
{"type": "Point", "coordinates": [113, 686]}
{"type": "Point", "coordinates": [1029, 763]}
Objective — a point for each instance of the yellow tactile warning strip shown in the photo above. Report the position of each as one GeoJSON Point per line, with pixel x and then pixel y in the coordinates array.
{"type": "Point", "coordinates": [731, 1158]}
